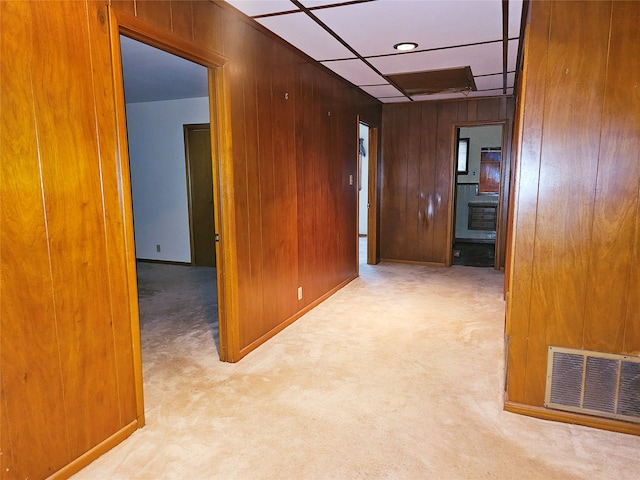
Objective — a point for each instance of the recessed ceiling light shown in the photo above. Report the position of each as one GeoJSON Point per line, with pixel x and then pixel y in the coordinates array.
{"type": "Point", "coordinates": [404, 46]}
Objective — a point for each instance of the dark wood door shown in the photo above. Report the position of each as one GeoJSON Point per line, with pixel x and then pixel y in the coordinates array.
{"type": "Point", "coordinates": [200, 181]}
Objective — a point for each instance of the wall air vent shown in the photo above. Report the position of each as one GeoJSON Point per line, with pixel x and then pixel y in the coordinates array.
{"type": "Point", "coordinates": [593, 383]}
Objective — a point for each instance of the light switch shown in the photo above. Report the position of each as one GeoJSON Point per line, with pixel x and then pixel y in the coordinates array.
{"type": "Point", "coordinates": [350, 179]}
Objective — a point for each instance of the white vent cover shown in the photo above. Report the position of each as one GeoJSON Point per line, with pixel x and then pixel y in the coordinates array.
{"type": "Point", "coordinates": [594, 383]}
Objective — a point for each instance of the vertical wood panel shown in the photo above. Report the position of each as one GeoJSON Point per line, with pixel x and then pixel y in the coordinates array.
{"type": "Point", "coordinates": [182, 19]}
{"type": "Point", "coordinates": [443, 177]}
{"type": "Point", "coordinates": [563, 228]}
{"type": "Point", "coordinates": [616, 194]}
{"type": "Point", "coordinates": [113, 221]}
{"type": "Point", "coordinates": [429, 148]}
{"type": "Point", "coordinates": [266, 202]}
{"type": "Point", "coordinates": [75, 223]}
{"type": "Point", "coordinates": [208, 26]}
{"type": "Point", "coordinates": [155, 12]}
{"type": "Point", "coordinates": [34, 433]}
{"type": "Point", "coordinates": [413, 228]}
{"type": "Point", "coordinates": [286, 187]}
{"type": "Point", "coordinates": [393, 215]}
{"type": "Point", "coordinates": [526, 203]}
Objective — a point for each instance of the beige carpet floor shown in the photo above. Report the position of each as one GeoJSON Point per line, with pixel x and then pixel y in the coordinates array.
{"type": "Point", "coordinates": [397, 376]}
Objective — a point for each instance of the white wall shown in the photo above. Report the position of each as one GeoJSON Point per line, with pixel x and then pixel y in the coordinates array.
{"type": "Point", "coordinates": [364, 191]}
{"type": "Point", "coordinates": [158, 175]}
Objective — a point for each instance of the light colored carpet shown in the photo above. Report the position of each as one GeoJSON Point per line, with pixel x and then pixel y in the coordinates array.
{"type": "Point", "coordinates": [398, 375]}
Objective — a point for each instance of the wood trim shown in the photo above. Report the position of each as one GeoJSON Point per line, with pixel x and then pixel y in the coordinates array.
{"type": "Point", "coordinates": [86, 458]}
{"type": "Point", "coordinates": [140, 30]}
{"type": "Point", "coordinates": [373, 213]}
{"type": "Point", "coordinates": [574, 418]}
{"type": "Point", "coordinates": [270, 334]}
{"type": "Point", "coordinates": [163, 262]}
{"type": "Point", "coordinates": [224, 214]}
{"type": "Point", "coordinates": [414, 262]}
{"type": "Point", "coordinates": [127, 212]}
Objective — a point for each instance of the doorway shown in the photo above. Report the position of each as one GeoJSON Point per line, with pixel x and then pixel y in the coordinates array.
{"type": "Point", "coordinates": [477, 194]}
{"type": "Point", "coordinates": [172, 191]}
{"type": "Point", "coordinates": [367, 239]}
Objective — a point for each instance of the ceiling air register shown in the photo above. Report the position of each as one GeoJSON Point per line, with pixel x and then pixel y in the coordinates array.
{"type": "Point", "coordinates": [593, 383]}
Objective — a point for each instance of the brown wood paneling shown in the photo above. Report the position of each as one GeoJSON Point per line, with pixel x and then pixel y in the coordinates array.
{"type": "Point", "coordinates": [182, 18]}
{"type": "Point", "coordinates": [209, 22]}
{"type": "Point", "coordinates": [33, 413]}
{"type": "Point", "coordinates": [616, 193]}
{"type": "Point", "coordinates": [416, 199]}
{"type": "Point", "coordinates": [428, 134]}
{"type": "Point", "coordinates": [393, 213]}
{"type": "Point", "coordinates": [443, 176]}
{"type": "Point", "coordinates": [75, 224]}
{"type": "Point", "coordinates": [155, 12]}
{"type": "Point", "coordinates": [574, 279]}
{"type": "Point", "coordinates": [75, 334]}
{"type": "Point", "coordinates": [99, 37]}
{"type": "Point", "coordinates": [563, 226]}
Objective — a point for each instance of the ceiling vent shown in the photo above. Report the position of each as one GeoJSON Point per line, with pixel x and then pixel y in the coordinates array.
{"type": "Point", "coordinates": [451, 80]}
{"type": "Point", "coordinates": [593, 383]}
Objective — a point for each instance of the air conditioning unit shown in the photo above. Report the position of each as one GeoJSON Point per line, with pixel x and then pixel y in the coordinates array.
{"type": "Point", "coordinates": [594, 383]}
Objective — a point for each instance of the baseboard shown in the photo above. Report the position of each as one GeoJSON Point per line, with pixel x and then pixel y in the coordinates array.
{"type": "Point", "coordinates": [573, 418]}
{"type": "Point", "coordinates": [475, 240]}
{"type": "Point", "coordinates": [166, 262]}
{"type": "Point", "coordinates": [414, 262]}
{"type": "Point", "coordinates": [271, 333]}
{"type": "Point", "coordinates": [85, 459]}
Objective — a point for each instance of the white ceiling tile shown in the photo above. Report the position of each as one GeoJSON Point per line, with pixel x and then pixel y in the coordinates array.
{"type": "Point", "coordinates": [381, 90]}
{"type": "Point", "coordinates": [302, 32]}
{"type": "Point", "coordinates": [515, 15]}
{"type": "Point", "coordinates": [355, 71]}
{"type": "Point", "coordinates": [483, 59]}
{"type": "Point", "coordinates": [493, 81]}
{"type": "Point", "coordinates": [512, 55]}
{"type": "Point", "coordinates": [262, 7]}
{"type": "Point", "coordinates": [372, 28]}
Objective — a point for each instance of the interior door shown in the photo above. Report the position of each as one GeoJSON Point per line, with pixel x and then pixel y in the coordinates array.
{"type": "Point", "coordinates": [200, 190]}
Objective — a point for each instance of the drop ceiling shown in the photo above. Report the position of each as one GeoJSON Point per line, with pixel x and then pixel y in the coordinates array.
{"type": "Point", "coordinates": [355, 40]}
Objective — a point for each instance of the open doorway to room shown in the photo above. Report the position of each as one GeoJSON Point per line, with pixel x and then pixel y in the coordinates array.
{"type": "Point", "coordinates": [477, 194]}
{"type": "Point", "coordinates": [166, 97]}
{"type": "Point", "coordinates": [367, 241]}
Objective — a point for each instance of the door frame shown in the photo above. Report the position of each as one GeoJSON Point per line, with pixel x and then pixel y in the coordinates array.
{"type": "Point", "coordinates": [223, 192]}
{"type": "Point", "coordinates": [504, 187]}
{"type": "Point", "coordinates": [373, 209]}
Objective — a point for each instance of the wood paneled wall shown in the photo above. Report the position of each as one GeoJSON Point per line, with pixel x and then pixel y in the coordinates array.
{"type": "Point", "coordinates": [417, 174]}
{"type": "Point", "coordinates": [67, 358]}
{"type": "Point", "coordinates": [576, 262]}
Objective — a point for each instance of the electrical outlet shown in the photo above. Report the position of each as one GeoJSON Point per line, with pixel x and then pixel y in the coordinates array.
{"type": "Point", "coordinates": [299, 293]}
{"type": "Point", "coordinates": [158, 247]}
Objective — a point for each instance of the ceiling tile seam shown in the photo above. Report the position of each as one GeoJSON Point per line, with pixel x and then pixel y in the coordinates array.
{"type": "Point", "coordinates": [317, 7]}
{"type": "Point", "coordinates": [342, 41]}
{"type": "Point", "coordinates": [505, 43]}
{"type": "Point", "coordinates": [425, 50]}
{"type": "Point", "coordinates": [435, 49]}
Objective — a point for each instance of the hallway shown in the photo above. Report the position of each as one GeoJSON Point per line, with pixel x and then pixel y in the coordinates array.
{"type": "Point", "coordinates": [398, 375]}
